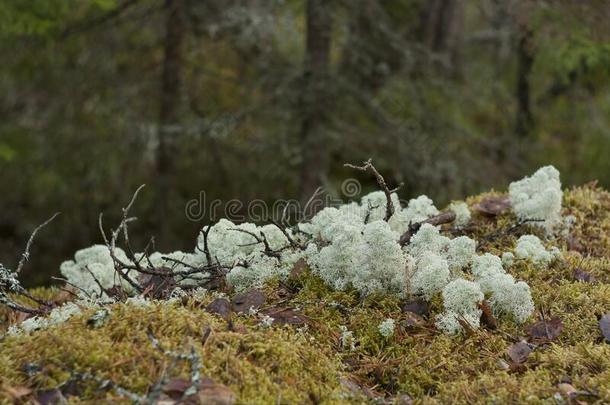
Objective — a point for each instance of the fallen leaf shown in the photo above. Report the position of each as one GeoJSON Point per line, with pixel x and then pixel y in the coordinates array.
{"type": "Point", "coordinates": [567, 389]}
{"type": "Point", "coordinates": [211, 393]}
{"type": "Point", "coordinates": [418, 307]}
{"type": "Point", "coordinates": [493, 206]}
{"type": "Point", "coordinates": [581, 275]}
{"type": "Point", "coordinates": [487, 317]}
{"type": "Point", "coordinates": [285, 316]}
{"type": "Point", "coordinates": [545, 330]}
{"type": "Point", "coordinates": [298, 268]}
{"type": "Point", "coordinates": [358, 390]}
{"type": "Point", "coordinates": [403, 399]}
{"type": "Point", "coordinates": [220, 306]}
{"type": "Point", "coordinates": [604, 326]}
{"type": "Point", "coordinates": [412, 320]}
{"type": "Point", "coordinates": [157, 286]}
{"type": "Point", "coordinates": [176, 387]}
{"type": "Point", "coordinates": [117, 293]}
{"type": "Point", "coordinates": [18, 391]}
{"type": "Point", "coordinates": [519, 352]}
{"type": "Point", "coordinates": [502, 365]}
{"type": "Point", "coordinates": [574, 244]}
{"type": "Point", "coordinates": [50, 397]}
{"type": "Point", "coordinates": [250, 299]}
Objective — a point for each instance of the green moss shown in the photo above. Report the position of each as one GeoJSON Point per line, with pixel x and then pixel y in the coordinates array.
{"type": "Point", "coordinates": [301, 365]}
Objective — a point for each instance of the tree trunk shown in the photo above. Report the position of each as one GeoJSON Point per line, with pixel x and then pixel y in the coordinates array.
{"type": "Point", "coordinates": [314, 141]}
{"type": "Point", "coordinates": [170, 107]}
{"type": "Point", "coordinates": [442, 29]}
{"type": "Point", "coordinates": [525, 62]}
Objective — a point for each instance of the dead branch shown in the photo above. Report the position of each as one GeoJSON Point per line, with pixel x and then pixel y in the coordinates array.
{"type": "Point", "coordinates": [9, 283]}
{"type": "Point", "coordinates": [368, 167]}
{"type": "Point", "coordinates": [26, 254]}
{"type": "Point", "coordinates": [504, 231]}
{"type": "Point", "coordinates": [261, 239]}
{"type": "Point", "coordinates": [309, 202]}
{"type": "Point", "coordinates": [442, 218]}
{"type": "Point", "coordinates": [289, 238]}
{"type": "Point", "coordinates": [206, 248]}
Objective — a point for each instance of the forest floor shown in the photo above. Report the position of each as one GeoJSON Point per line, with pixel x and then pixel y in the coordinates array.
{"type": "Point", "coordinates": [300, 357]}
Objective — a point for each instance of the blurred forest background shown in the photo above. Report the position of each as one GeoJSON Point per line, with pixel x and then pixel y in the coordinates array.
{"type": "Point", "coordinates": [266, 99]}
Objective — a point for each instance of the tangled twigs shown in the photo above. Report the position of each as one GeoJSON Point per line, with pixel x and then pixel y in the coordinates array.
{"type": "Point", "coordinates": [9, 284]}
{"type": "Point", "coordinates": [504, 231]}
{"type": "Point", "coordinates": [261, 239]}
{"type": "Point", "coordinates": [442, 218]}
{"type": "Point", "coordinates": [368, 167]}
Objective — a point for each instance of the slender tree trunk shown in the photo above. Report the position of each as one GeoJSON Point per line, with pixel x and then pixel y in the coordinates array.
{"type": "Point", "coordinates": [314, 102]}
{"type": "Point", "coordinates": [442, 29]}
{"type": "Point", "coordinates": [525, 62]}
{"type": "Point", "coordinates": [170, 106]}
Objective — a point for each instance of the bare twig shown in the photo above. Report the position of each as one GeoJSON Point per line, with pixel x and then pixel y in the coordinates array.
{"type": "Point", "coordinates": [309, 202]}
{"type": "Point", "coordinates": [442, 218]}
{"type": "Point", "coordinates": [206, 249]}
{"type": "Point", "coordinates": [260, 239]}
{"type": "Point", "coordinates": [504, 231]}
{"type": "Point", "coordinates": [368, 167]}
{"type": "Point", "coordinates": [26, 254]}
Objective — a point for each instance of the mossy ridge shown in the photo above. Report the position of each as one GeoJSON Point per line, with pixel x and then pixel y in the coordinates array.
{"type": "Point", "coordinates": [263, 365]}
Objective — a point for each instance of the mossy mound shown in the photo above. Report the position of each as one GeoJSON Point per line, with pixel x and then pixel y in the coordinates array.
{"type": "Point", "coordinates": [308, 362]}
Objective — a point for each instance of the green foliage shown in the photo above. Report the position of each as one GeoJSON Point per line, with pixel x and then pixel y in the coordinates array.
{"type": "Point", "coordinates": [80, 105]}
{"type": "Point", "coordinates": [44, 17]}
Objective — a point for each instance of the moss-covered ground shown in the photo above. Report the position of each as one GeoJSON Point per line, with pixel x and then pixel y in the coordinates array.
{"type": "Point", "coordinates": [307, 363]}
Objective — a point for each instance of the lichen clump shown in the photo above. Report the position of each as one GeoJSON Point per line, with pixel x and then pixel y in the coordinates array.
{"type": "Point", "coordinates": [353, 247]}
{"type": "Point", "coordinates": [538, 198]}
{"type": "Point", "coordinates": [353, 343]}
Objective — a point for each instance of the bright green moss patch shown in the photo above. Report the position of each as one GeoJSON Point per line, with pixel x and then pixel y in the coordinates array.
{"type": "Point", "coordinates": [312, 363]}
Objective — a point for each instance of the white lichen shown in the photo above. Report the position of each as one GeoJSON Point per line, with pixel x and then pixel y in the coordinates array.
{"type": "Point", "coordinates": [508, 259]}
{"type": "Point", "coordinates": [431, 276]}
{"type": "Point", "coordinates": [460, 252]}
{"type": "Point", "coordinates": [57, 316]}
{"type": "Point", "coordinates": [347, 339]}
{"type": "Point", "coordinates": [420, 208]}
{"type": "Point", "coordinates": [530, 247]}
{"type": "Point", "coordinates": [538, 198]}
{"type": "Point", "coordinates": [386, 328]}
{"type": "Point", "coordinates": [462, 213]}
{"type": "Point", "coordinates": [94, 265]}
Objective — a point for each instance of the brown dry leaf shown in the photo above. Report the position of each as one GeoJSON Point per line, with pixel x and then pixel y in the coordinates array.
{"type": "Point", "coordinates": [18, 391]}
{"type": "Point", "coordinates": [545, 330]}
{"type": "Point", "coordinates": [250, 299]}
{"type": "Point", "coordinates": [50, 397]}
{"type": "Point", "coordinates": [567, 389]}
{"type": "Point", "coordinates": [487, 317]}
{"type": "Point", "coordinates": [359, 389]}
{"type": "Point", "coordinates": [412, 320]}
{"type": "Point", "coordinates": [211, 393]}
{"type": "Point", "coordinates": [176, 387]}
{"type": "Point", "coordinates": [298, 268]}
{"type": "Point", "coordinates": [403, 399]}
{"type": "Point", "coordinates": [418, 307]}
{"type": "Point", "coordinates": [604, 326]}
{"type": "Point", "coordinates": [519, 352]}
{"type": "Point", "coordinates": [493, 206]}
{"type": "Point", "coordinates": [157, 286]}
{"type": "Point", "coordinates": [581, 275]}
{"type": "Point", "coordinates": [574, 244]}
{"type": "Point", "coordinates": [285, 316]}
{"type": "Point", "coordinates": [220, 306]}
